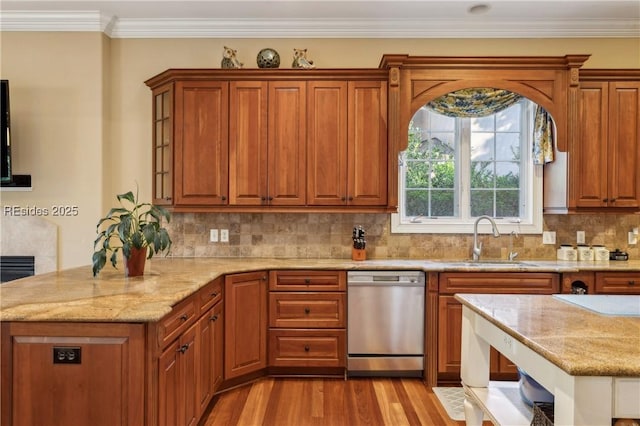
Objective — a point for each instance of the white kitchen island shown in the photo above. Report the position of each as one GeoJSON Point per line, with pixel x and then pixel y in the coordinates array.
{"type": "Point", "coordinates": [588, 360]}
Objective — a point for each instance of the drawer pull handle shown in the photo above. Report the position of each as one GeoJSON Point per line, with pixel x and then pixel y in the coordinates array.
{"type": "Point", "coordinates": [632, 282]}
{"type": "Point", "coordinates": [184, 317]}
{"type": "Point", "coordinates": [214, 318]}
{"type": "Point", "coordinates": [183, 349]}
{"type": "Point", "coordinates": [307, 311]}
{"type": "Point", "coordinates": [307, 348]}
{"type": "Point", "coordinates": [307, 280]}
{"type": "Point", "coordinates": [214, 294]}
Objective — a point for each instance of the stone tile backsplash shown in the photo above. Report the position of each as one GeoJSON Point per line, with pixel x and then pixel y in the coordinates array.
{"type": "Point", "coordinates": [318, 235]}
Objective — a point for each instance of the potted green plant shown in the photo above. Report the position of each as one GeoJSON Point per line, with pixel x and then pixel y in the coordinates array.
{"type": "Point", "coordinates": [138, 228]}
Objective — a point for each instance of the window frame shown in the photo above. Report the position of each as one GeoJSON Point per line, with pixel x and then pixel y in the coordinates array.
{"type": "Point", "coordinates": [531, 222]}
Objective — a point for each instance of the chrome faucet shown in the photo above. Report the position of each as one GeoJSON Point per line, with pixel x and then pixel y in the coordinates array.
{"type": "Point", "coordinates": [512, 254]}
{"type": "Point", "coordinates": [477, 246]}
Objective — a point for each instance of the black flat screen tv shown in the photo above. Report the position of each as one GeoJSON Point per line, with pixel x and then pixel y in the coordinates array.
{"type": "Point", "coordinates": [5, 129]}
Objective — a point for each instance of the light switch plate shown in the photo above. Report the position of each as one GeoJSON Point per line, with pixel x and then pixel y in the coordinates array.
{"type": "Point", "coordinates": [224, 235]}
{"type": "Point", "coordinates": [213, 235]}
{"type": "Point", "coordinates": [548, 237]}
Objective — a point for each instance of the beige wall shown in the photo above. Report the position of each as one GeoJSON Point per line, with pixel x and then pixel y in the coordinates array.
{"type": "Point", "coordinates": [81, 112]}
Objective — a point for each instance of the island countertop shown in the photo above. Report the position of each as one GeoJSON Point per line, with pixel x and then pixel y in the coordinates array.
{"type": "Point", "coordinates": [577, 340]}
{"type": "Point", "coordinates": [74, 295]}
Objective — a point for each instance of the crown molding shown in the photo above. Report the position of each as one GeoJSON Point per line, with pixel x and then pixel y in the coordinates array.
{"type": "Point", "coordinates": [254, 28]}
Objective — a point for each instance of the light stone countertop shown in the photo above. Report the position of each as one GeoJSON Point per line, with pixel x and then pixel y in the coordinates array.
{"type": "Point", "coordinates": [577, 340]}
{"type": "Point", "coordinates": [74, 295]}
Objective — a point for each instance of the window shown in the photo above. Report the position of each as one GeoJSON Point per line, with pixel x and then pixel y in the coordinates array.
{"type": "Point", "coordinates": [456, 169]}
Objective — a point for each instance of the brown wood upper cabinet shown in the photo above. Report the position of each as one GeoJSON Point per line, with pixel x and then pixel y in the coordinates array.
{"type": "Point", "coordinates": [267, 143]}
{"type": "Point", "coordinates": [347, 142]}
{"type": "Point", "coordinates": [263, 140]}
{"type": "Point", "coordinates": [605, 163]}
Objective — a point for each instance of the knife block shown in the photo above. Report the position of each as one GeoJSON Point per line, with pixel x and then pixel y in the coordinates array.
{"type": "Point", "coordinates": [358, 254]}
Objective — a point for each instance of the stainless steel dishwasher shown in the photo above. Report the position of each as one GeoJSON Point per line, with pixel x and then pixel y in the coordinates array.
{"type": "Point", "coordinates": [386, 322]}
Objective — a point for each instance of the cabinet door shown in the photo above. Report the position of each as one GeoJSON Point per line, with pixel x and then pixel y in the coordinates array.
{"type": "Point", "coordinates": [449, 334]}
{"type": "Point", "coordinates": [163, 145]}
{"type": "Point", "coordinates": [287, 143]}
{"type": "Point", "coordinates": [248, 160]}
{"type": "Point", "coordinates": [210, 329]}
{"type": "Point", "coordinates": [327, 143]}
{"type": "Point", "coordinates": [245, 299]}
{"type": "Point", "coordinates": [102, 385]}
{"type": "Point", "coordinates": [367, 146]}
{"type": "Point", "coordinates": [201, 142]}
{"type": "Point", "coordinates": [588, 167]}
{"type": "Point", "coordinates": [624, 144]}
{"type": "Point", "coordinates": [178, 372]}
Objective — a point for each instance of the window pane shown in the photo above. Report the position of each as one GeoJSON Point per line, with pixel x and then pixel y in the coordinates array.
{"type": "Point", "coordinates": [443, 175]}
{"type": "Point", "coordinates": [417, 203]}
{"type": "Point", "coordinates": [481, 203]}
{"type": "Point", "coordinates": [508, 203]}
{"type": "Point", "coordinates": [482, 147]}
{"type": "Point", "coordinates": [508, 175]}
{"type": "Point", "coordinates": [482, 124]}
{"type": "Point", "coordinates": [508, 120]}
{"type": "Point", "coordinates": [482, 175]}
{"type": "Point", "coordinates": [442, 203]}
{"type": "Point", "coordinates": [417, 174]}
{"type": "Point", "coordinates": [507, 146]}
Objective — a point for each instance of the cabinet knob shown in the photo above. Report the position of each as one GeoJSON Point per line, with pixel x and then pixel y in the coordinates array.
{"type": "Point", "coordinates": [167, 198]}
{"type": "Point", "coordinates": [350, 198]}
{"type": "Point", "coordinates": [307, 348]}
{"type": "Point", "coordinates": [343, 198]}
{"type": "Point", "coordinates": [270, 198]}
{"type": "Point", "coordinates": [307, 311]}
{"type": "Point", "coordinates": [632, 282]}
{"type": "Point", "coordinates": [307, 280]}
{"type": "Point", "coordinates": [613, 200]}
{"type": "Point", "coordinates": [184, 317]}
{"type": "Point", "coordinates": [214, 294]}
{"type": "Point", "coordinates": [182, 349]}
{"type": "Point", "coordinates": [605, 200]}
{"type": "Point", "coordinates": [223, 198]}
{"type": "Point", "coordinates": [264, 278]}
{"type": "Point", "coordinates": [214, 318]}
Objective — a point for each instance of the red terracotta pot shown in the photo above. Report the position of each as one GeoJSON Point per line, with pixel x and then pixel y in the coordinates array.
{"type": "Point", "coordinates": [134, 264]}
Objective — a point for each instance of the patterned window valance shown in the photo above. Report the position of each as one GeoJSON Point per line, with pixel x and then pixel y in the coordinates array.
{"type": "Point", "coordinates": [480, 102]}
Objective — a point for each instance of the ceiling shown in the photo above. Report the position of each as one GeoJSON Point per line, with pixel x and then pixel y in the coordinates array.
{"type": "Point", "coordinates": [327, 18]}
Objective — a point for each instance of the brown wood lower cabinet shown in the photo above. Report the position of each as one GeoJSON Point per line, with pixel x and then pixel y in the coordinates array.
{"type": "Point", "coordinates": [450, 314]}
{"type": "Point", "coordinates": [72, 374]}
{"type": "Point", "coordinates": [245, 348]}
{"type": "Point", "coordinates": [307, 325]}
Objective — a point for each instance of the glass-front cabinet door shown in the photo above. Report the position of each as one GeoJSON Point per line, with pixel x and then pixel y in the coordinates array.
{"type": "Point", "coordinates": [163, 145]}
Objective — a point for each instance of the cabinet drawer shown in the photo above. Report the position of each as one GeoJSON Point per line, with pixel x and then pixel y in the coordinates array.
{"type": "Point", "coordinates": [306, 310]}
{"type": "Point", "coordinates": [307, 348]}
{"type": "Point", "coordinates": [503, 282]}
{"type": "Point", "coordinates": [182, 316]}
{"type": "Point", "coordinates": [618, 282]}
{"type": "Point", "coordinates": [210, 294]}
{"type": "Point", "coordinates": [308, 280]}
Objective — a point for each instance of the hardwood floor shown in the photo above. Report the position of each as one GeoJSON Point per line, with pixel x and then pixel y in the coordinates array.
{"type": "Point", "coordinates": [329, 402]}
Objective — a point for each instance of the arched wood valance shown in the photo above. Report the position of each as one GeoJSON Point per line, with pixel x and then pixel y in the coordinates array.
{"type": "Point", "coordinates": [551, 82]}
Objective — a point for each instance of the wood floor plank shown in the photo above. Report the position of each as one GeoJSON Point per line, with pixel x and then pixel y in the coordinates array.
{"type": "Point", "coordinates": [362, 407]}
{"type": "Point", "coordinates": [257, 401]}
{"type": "Point", "coordinates": [390, 407]}
{"type": "Point", "coordinates": [329, 402]}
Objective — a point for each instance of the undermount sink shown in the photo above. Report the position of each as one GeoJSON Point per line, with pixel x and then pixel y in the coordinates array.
{"type": "Point", "coordinates": [492, 263]}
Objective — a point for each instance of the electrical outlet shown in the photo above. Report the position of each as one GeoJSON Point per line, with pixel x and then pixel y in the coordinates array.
{"type": "Point", "coordinates": [548, 237]}
{"type": "Point", "coordinates": [66, 355]}
{"type": "Point", "coordinates": [224, 235]}
{"type": "Point", "coordinates": [213, 235]}
{"type": "Point", "coordinates": [580, 237]}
